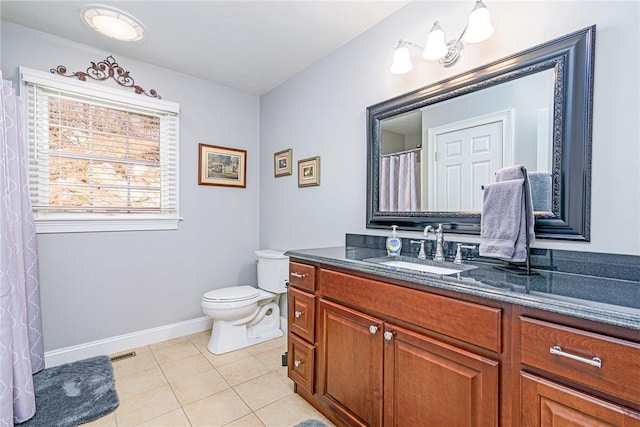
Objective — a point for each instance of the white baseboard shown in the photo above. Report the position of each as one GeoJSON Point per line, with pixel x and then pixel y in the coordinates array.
{"type": "Point", "coordinates": [127, 341]}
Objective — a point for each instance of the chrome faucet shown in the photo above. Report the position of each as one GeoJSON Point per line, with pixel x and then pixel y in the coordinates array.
{"type": "Point", "coordinates": [439, 232]}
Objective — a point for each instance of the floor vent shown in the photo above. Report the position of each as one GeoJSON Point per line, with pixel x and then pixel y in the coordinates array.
{"type": "Point", "coordinates": [123, 356]}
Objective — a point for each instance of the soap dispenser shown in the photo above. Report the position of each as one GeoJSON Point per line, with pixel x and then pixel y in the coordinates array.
{"type": "Point", "coordinates": [394, 243]}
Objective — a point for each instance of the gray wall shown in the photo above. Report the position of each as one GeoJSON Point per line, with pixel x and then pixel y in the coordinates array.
{"type": "Point", "coordinates": [322, 112]}
{"type": "Point", "coordinates": [100, 285]}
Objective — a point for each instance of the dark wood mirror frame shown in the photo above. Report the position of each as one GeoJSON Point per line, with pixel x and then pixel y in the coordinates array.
{"type": "Point", "coordinates": [572, 58]}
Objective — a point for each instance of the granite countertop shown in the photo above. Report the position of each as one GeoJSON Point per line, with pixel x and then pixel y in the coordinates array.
{"type": "Point", "coordinates": [602, 299]}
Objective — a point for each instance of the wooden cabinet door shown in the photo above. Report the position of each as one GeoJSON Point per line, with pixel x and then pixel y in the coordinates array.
{"type": "Point", "coordinates": [302, 366]}
{"type": "Point", "coordinates": [545, 404]}
{"type": "Point", "coordinates": [350, 366]}
{"type": "Point", "coordinates": [302, 314]}
{"type": "Point", "coordinates": [430, 383]}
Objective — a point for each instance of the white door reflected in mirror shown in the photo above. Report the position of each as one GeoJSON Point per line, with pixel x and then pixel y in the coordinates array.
{"type": "Point", "coordinates": [462, 141]}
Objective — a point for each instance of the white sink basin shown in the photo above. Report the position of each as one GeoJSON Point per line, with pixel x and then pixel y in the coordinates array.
{"type": "Point", "coordinates": [421, 267]}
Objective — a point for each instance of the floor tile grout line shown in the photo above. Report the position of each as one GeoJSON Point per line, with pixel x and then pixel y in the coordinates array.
{"type": "Point", "coordinates": [171, 386]}
{"type": "Point", "coordinates": [181, 407]}
{"type": "Point", "coordinates": [263, 406]}
{"type": "Point", "coordinates": [246, 403]}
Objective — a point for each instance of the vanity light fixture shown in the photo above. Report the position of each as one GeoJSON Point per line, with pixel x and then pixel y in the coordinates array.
{"type": "Point", "coordinates": [477, 29]}
{"type": "Point", "coordinates": [113, 23]}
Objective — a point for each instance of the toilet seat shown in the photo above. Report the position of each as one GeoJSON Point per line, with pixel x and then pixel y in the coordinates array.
{"type": "Point", "coordinates": [232, 294]}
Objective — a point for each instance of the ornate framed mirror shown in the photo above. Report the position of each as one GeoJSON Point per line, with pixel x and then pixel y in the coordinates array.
{"type": "Point", "coordinates": [532, 108]}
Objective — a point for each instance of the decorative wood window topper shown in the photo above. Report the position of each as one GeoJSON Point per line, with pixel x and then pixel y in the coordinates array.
{"type": "Point", "coordinates": [107, 68]}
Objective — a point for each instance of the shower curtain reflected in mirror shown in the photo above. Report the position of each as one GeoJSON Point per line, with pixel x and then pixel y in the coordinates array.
{"type": "Point", "coordinates": [398, 183]}
{"type": "Point", "coordinates": [21, 345]}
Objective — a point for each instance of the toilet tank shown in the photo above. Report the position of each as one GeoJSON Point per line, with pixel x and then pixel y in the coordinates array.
{"type": "Point", "coordinates": [273, 270]}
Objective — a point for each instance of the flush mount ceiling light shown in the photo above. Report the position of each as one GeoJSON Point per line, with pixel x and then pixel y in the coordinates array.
{"type": "Point", "coordinates": [477, 29]}
{"type": "Point", "coordinates": [113, 23]}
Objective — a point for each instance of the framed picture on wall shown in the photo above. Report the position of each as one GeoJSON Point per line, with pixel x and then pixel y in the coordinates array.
{"type": "Point", "coordinates": [226, 167]}
{"type": "Point", "coordinates": [282, 163]}
{"type": "Point", "coordinates": [309, 172]}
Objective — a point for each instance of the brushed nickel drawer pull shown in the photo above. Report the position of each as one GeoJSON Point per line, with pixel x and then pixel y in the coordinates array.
{"type": "Point", "coordinates": [299, 275]}
{"type": "Point", "coordinates": [297, 363]}
{"type": "Point", "coordinates": [557, 350]}
{"type": "Point", "coordinates": [297, 314]}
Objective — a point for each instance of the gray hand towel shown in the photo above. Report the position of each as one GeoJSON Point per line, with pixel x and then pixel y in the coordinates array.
{"type": "Point", "coordinates": [501, 221]}
{"type": "Point", "coordinates": [520, 172]}
{"type": "Point", "coordinates": [506, 209]}
{"type": "Point", "coordinates": [540, 183]}
{"type": "Point", "coordinates": [509, 173]}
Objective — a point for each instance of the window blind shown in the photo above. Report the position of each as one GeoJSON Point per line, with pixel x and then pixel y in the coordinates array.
{"type": "Point", "coordinates": [95, 155]}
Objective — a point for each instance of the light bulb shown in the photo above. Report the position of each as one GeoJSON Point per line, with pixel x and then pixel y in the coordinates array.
{"type": "Point", "coordinates": [436, 46]}
{"type": "Point", "coordinates": [479, 27]}
{"type": "Point", "coordinates": [401, 60]}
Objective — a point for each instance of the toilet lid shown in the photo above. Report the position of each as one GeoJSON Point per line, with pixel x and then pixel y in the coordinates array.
{"type": "Point", "coordinates": [232, 293]}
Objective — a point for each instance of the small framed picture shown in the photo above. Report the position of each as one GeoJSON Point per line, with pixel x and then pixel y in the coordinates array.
{"type": "Point", "coordinates": [309, 172]}
{"type": "Point", "coordinates": [222, 166]}
{"type": "Point", "coordinates": [282, 163]}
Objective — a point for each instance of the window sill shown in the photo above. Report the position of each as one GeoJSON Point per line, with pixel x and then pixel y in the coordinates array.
{"type": "Point", "coordinates": [104, 224]}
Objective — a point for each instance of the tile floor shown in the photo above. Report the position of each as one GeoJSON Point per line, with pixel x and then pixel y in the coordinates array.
{"type": "Point", "coordinates": [179, 383]}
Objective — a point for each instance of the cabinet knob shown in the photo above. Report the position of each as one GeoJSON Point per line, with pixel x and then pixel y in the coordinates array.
{"type": "Point", "coordinates": [373, 329]}
{"type": "Point", "coordinates": [297, 363]}
{"type": "Point", "coordinates": [297, 314]}
{"type": "Point", "coordinates": [388, 335]}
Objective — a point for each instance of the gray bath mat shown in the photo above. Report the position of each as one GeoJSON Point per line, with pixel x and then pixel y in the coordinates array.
{"type": "Point", "coordinates": [311, 423]}
{"type": "Point", "coordinates": [74, 393]}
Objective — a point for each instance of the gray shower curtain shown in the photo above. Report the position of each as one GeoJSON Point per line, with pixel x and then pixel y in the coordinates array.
{"type": "Point", "coordinates": [21, 345]}
{"type": "Point", "coordinates": [398, 183]}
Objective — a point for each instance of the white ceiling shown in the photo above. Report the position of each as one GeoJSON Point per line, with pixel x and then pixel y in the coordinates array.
{"type": "Point", "coordinates": [249, 45]}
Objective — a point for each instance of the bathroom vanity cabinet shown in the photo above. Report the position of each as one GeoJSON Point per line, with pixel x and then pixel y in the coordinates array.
{"type": "Point", "coordinates": [372, 351]}
{"type": "Point", "coordinates": [381, 362]}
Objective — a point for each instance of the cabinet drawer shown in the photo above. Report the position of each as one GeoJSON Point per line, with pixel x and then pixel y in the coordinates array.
{"type": "Point", "coordinates": [302, 276]}
{"type": "Point", "coordinates": [472, 323]}
{"type": "Point", "coordinates": [619, 374]}
{"type": "Point", "coordinates": [302, 314]}
{"type": "Point", "coordinates": [301, 363]}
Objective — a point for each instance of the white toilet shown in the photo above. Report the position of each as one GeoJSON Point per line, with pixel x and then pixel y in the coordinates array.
{"type": "Point", "coordinates": [244, 315]}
